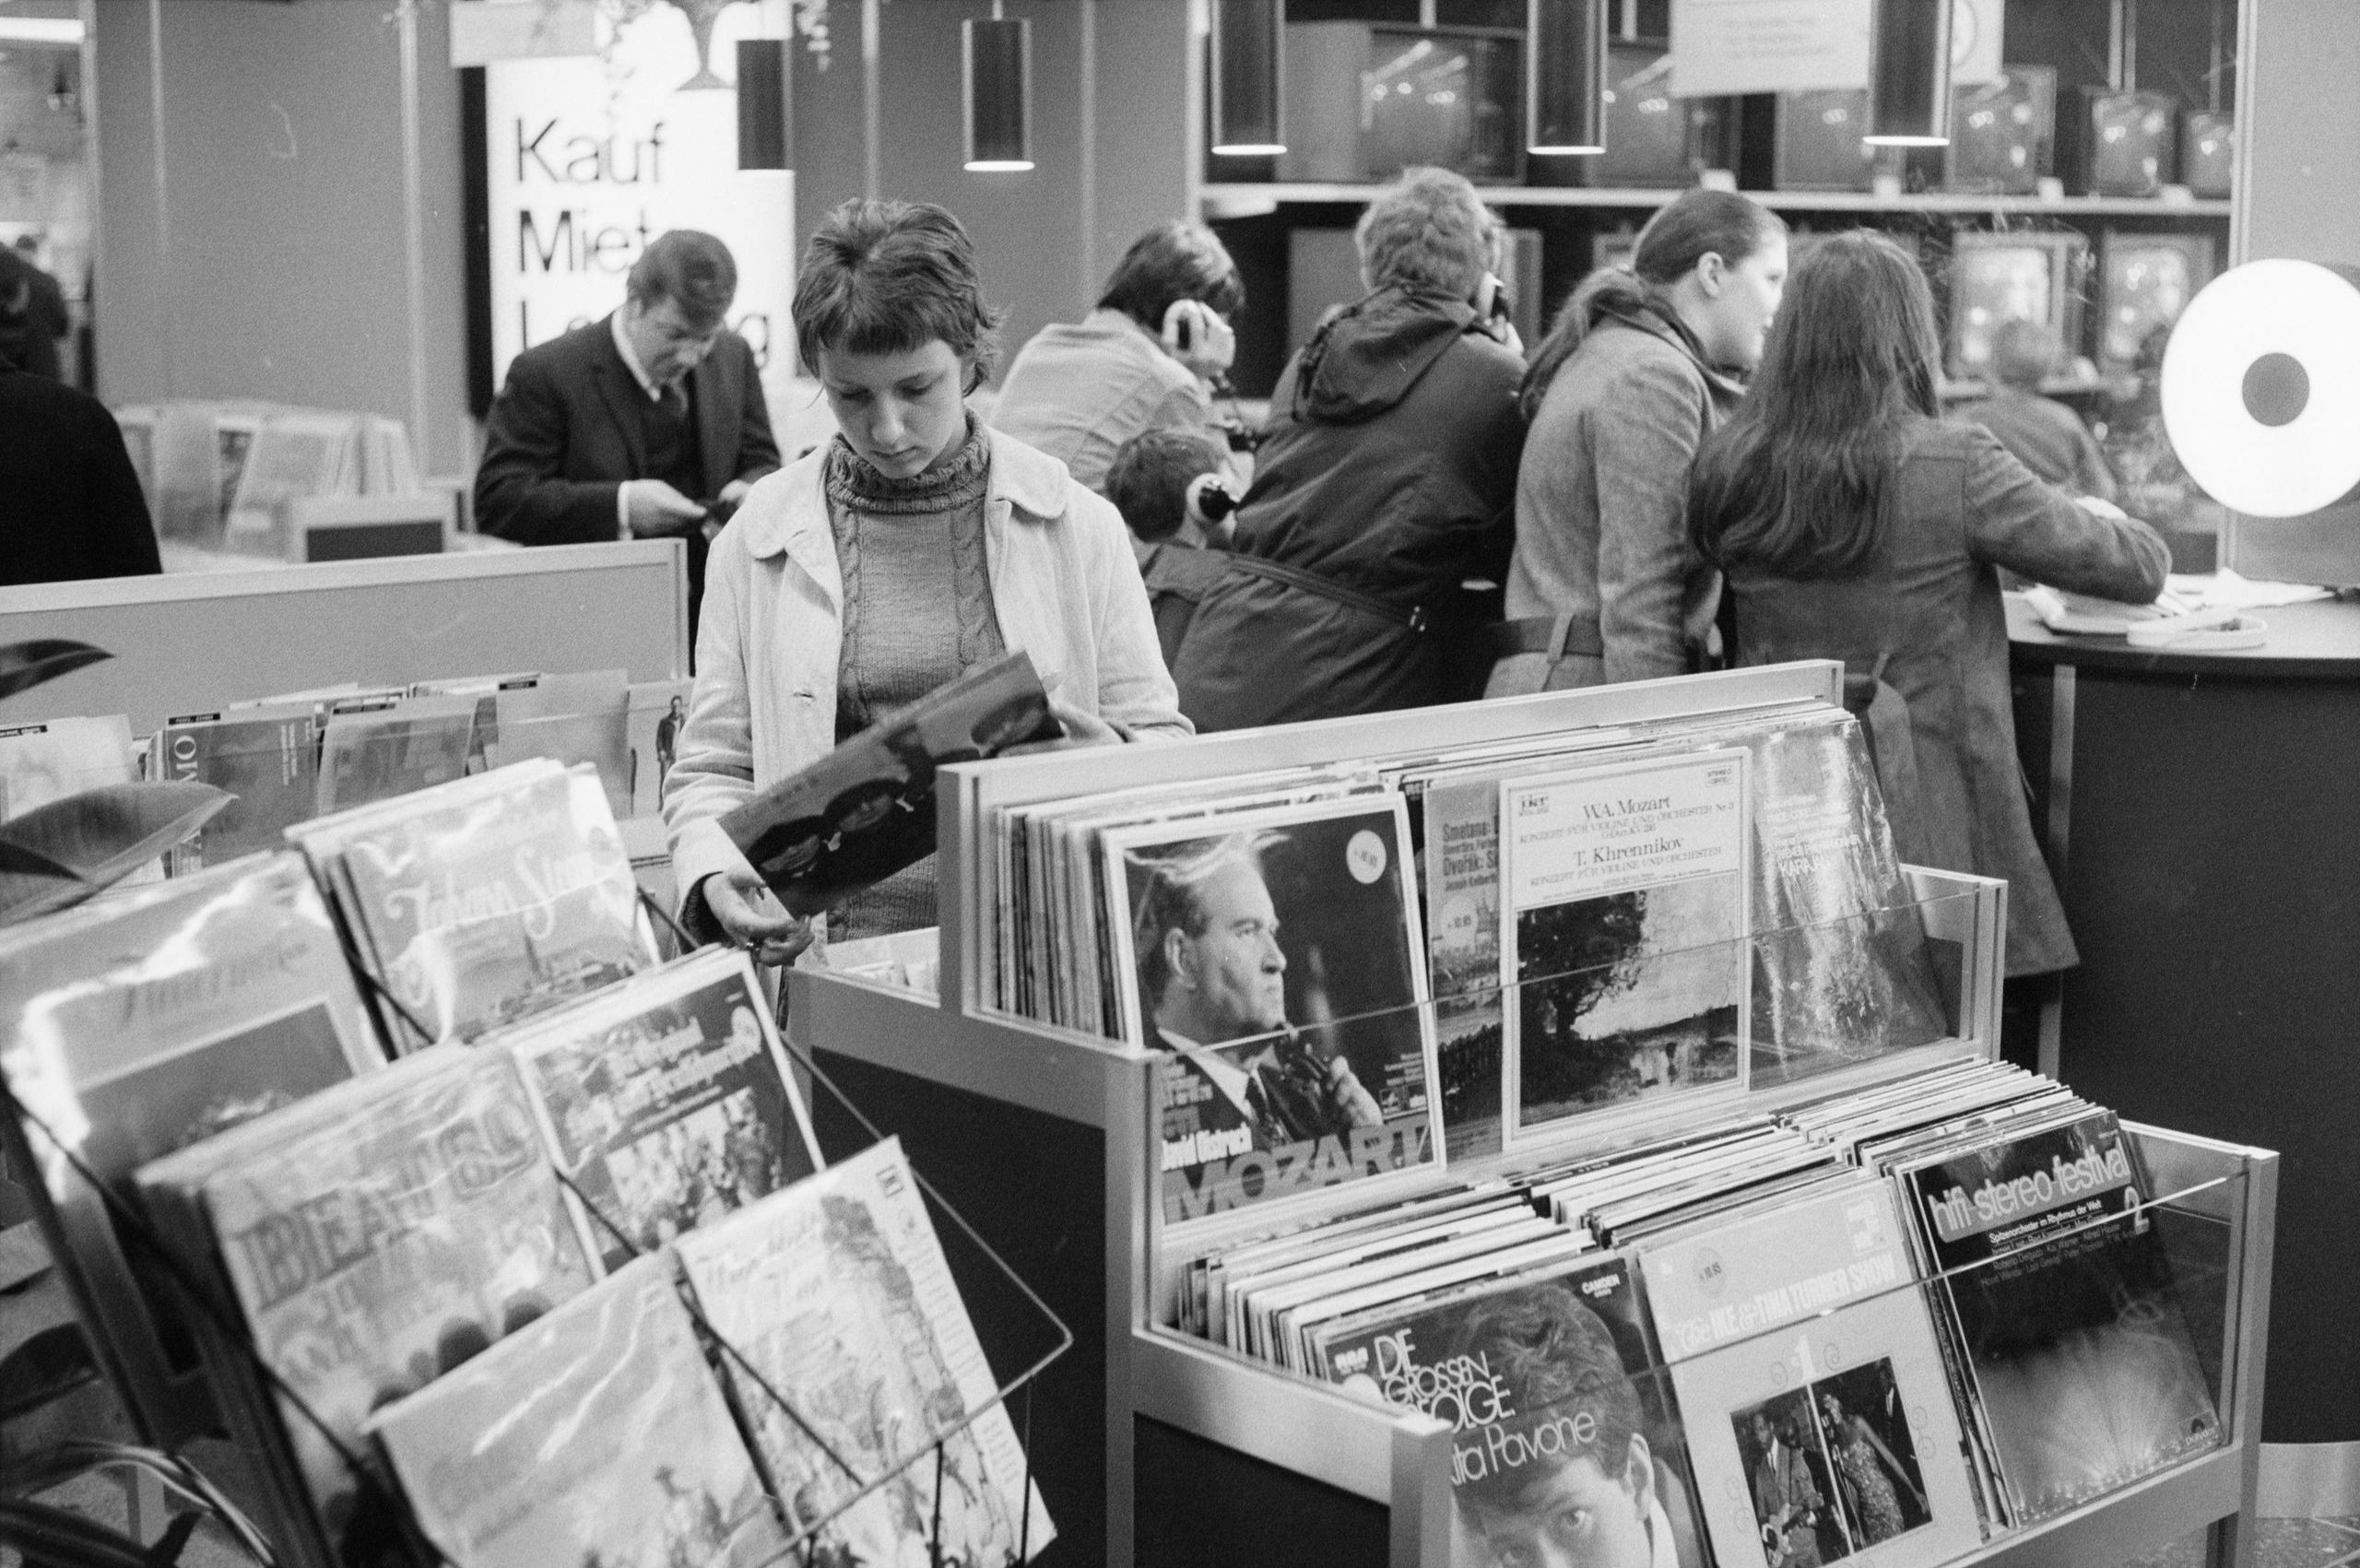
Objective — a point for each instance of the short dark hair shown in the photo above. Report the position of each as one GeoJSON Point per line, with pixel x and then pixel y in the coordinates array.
{"type": "Point", "coordinates": [691, 269]}
{"type": "Point", "coordinates": [1174, 898]}
{"type": "Point", "coordinates": [885, 277]}
{"type": "Point", "coordinates": [1555, 1361]}
{"type": "Point", "coordinates": [1149, 479]}
{"type": "Point", "coordinates": [1171, 261]}
{"type": "Point", "coordinates": [1433, 233]}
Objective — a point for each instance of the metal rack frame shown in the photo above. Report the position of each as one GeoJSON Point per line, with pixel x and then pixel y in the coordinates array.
{"type": "Point", "coordinates": [955, 1077]}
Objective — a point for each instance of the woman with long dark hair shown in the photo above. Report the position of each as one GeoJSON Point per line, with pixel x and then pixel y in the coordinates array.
{"type": "Point", "coordinates": [1854, 524]}
{"type": "Point", "coordinates": [1639, 366]}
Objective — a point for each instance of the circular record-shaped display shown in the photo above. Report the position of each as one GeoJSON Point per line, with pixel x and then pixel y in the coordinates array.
{"type": "Point", "coordinates": [2261, 388]}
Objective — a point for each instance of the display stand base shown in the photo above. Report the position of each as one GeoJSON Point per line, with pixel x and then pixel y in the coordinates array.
{"type": "Point", "coordinates": [2308, 1480]}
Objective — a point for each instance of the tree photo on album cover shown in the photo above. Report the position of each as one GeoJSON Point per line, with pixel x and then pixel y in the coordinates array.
{"type": "Point", "coordinates": [1279, 958]}
{"type": "Point", "coordinates": [1623, 901]}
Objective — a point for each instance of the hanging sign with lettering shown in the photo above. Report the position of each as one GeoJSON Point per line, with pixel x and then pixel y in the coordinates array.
{"type": "Point", "coordinates": [589, 158]}
{"type": "Point", "coordinates": [1720, 47]}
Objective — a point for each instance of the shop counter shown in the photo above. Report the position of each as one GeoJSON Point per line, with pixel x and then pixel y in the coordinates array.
{"type": "Point", "coordinates": [2202, 811]}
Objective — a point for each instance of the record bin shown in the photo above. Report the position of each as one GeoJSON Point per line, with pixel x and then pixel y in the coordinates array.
{"type": "Point", "coordinates": [1155, 1447]}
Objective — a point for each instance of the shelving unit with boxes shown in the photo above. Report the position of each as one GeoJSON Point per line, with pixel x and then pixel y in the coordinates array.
{"type": "Point", "coordinates": [2113, 120]}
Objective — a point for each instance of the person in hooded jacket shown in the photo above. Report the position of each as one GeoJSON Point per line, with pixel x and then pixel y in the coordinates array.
{"type": "Point", "coordinates": [1639, 367]}
{"type": "Point", "coordinates": [1383, 483]}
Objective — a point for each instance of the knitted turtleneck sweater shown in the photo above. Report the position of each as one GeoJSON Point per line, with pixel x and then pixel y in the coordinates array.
{"type": "Point", "coordinates": [917, 613]}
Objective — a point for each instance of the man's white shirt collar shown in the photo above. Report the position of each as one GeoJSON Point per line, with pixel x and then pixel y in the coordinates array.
{"type": "Point", "coordinates": [630, 358]}
{"type": "Point", "coordinates": [1230, 1079]}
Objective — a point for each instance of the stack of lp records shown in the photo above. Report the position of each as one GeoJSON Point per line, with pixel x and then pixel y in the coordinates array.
{"type": "Point", "coordinates": [1608, 923]}
{"type": "Point", "coordinates": [1738, 1345]}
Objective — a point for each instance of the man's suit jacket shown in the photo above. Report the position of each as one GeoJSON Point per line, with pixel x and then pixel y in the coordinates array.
{"type": "Point", "coordinates": [70, 503]}
{"type": "Point", "coordinates": [1782, 1482]}
{"type": "Point", "coordinates": [566, 431]}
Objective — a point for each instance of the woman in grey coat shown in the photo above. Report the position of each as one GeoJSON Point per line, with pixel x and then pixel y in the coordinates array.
{"type": "Point", "coordinates": [1854, 524]}
{"type": "Point", "coordinates": [1637, 370]}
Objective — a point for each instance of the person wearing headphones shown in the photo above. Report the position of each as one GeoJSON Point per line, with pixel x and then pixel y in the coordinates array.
{"type": "Point", "coordinates": [1176, 492]}
{"type": "Point", "coordinates": [1384, 482]}
{"type": "Point", "coordinates": [1149, 357]}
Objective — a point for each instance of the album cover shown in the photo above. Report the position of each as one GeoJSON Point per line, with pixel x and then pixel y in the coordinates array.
{"type": "Point", "coordinates": [1819, 1411]}
{"type": "Point", "coordinates": [377, 1235]}
{"type": "Point", "coordinates": [596, 1435]}
{"type": "Point", "coordinates": [866, 810]}
{"type": "Point", "coordinates": [836, 1297]}
{"type": "Point", "coordinates": [1622, 919]}
{"type": "Point", "coordinates": [1842, 972]}
{"type": "Point", "coordinates": [1277, 956]}
{"type": "Point", "coordinates": [1835, 1440]}
{"type": "Point", "coordinates": [2072, 1330]}
{"type": "Point", "coordinates": [54, 757]}
{"type": "Point", "coordinates": [267, 759]}
{"type": "Point", "coordinates": [1557, 1403]}
{"type": "Point", "coordinates": [372, 751]}
{"type": "Point", "coordinates": [1462, 904]}
{"type": "Point", "coordinates": [666, 1101]}
{"type": "Point", "coordinates": [566, 718]}
{"type": "Point", "coordinates": [496, 901]}
{"type": "Point", "coordinates": [144, 1023]}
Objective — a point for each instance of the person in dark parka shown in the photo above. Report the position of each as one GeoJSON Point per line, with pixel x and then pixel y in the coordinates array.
{"type": "Point", "coordinates": [1387, 480]}
{"type": "Point", "coordinates": [1854, 523]}
{"type": "Point", "coordinates": [70, 502]}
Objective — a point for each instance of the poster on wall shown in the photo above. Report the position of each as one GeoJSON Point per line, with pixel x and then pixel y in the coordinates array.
{"type": "Point", "coordinates": [588, 158]}
{"type": "Point", "coordinates": [1739, 46]}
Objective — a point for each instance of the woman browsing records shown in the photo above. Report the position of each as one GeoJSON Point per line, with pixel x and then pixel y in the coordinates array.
{"type": "Point", "coordinates": [1854, 524]}
{"type": "Point", "coordinates": [915, 547]}
{"type": "Point", "coordinates": [1641, 365]}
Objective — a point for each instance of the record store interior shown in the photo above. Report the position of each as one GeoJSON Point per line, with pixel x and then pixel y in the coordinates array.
{"type": "Point", "coordinates": [1179, 784]}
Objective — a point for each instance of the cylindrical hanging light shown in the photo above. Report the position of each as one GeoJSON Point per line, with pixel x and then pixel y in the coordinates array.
{"type": "Point", "coordinates": [1909, 73]}
{"type": "Point", "coordinates": [1249, 58]}
{"type": "Point", "coordinates": [764, 142]}
{"type": "Point", "coordinates": [1564, 75]}
{"type": "Point", "coordinates": [996, 57]}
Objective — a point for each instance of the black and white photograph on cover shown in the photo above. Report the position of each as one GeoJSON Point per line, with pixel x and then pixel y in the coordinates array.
{"type": "Point", "coordinates": [668, 1104]}
{"type": "Point", "coordinates": [693, 1171]}
{"type": "Point", "coordinates": [1623, 902]}
{"type": "Point", "coordinates": [1879, 1486]}
{"type": "Point", "coordinates": [1791, 1482]}
{"type": "Point", "coordinates": [1587, 1468]}
{"type": "Point", "coordinates": [1278, 960]}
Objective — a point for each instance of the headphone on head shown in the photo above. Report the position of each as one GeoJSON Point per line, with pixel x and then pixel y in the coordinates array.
{"type": "Point", "coordinates": [1211, 501]}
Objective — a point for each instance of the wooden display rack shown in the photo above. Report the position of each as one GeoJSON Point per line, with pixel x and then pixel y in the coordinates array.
{"type": "Point", "coordinates": [1155, 1448]}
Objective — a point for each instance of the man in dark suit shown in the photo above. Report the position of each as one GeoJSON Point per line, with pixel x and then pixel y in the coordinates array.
{"type": "Point", "coordinates": [1212, 972]}
{"type": "Point", "coordinates": [70, 502]}
{"type": "Point", "coordinates": [634, 426]}
{"type": "Point", "coordinates": [1786, 1500]}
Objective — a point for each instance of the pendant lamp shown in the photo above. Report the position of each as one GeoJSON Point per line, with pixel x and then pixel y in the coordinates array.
{"type": "Point", "coordinates": [1564, 76]}
{"type": "Point", "coordinates": [1909, 73]}
{"type": "Point", "coordinates": [1248, 64]}
{"type": "Point", "coordinates": [996, 57]}
{"type": "Point", "coordinates": [763, 139]}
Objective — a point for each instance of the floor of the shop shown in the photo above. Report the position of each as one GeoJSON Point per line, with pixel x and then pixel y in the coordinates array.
{"type": "Point", "coordinates": [31, 1300]}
